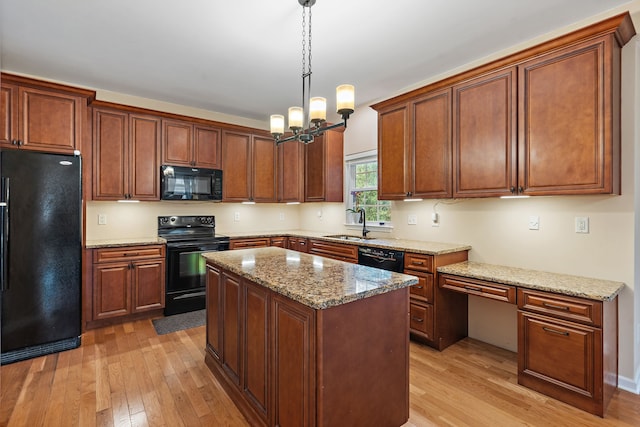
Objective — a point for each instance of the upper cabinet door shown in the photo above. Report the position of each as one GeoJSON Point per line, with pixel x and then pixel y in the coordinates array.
{"type": "Point", "coordinates": [236, 157]}
{"type": "Point", "coordinates": [484, 135]}
{"type": "Point", "coordinates": [290, 172]}
{"type": "Point", "coordinates": [431, 145]}
{"type": "Point", "coordinates": [264, 169]}
{"type": "Point", "coordinates": [144, 155]}
{"type": "Point", "coordinates": [206, 147]}
{"type": "Point", "coordinates": [177, 143]}
{"type": "Point", "coordinates": [393, 154]}
{"type": "Point", "coordinates": [567, 116]}
{"type": "Point", "coordinates": [8, 114]}
{"type": "Point", "coordinates": [110, 154]}
{"type": "Point", "coordinates": [324, 168]}
{"type": "Point", "coordinates": [50, 121]}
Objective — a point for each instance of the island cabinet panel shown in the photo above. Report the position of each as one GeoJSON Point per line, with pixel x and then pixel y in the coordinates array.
{"type": "Point", "coordinates": [231, 328]}
{"type": "Point", "coordinates": [214, 314]}
{"type": "Point", "coordinates": [484, 135]}
{"type": "Point", "coordinates": [255, 356]}
{"type": "Point", "coordinates": [299, 366]}
{"type": "Point", "coordinates": [293, 363]}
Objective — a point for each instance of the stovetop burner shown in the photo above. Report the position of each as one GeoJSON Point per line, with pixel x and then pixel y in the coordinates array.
{"type": "Point", "coordinates": [188, 228]}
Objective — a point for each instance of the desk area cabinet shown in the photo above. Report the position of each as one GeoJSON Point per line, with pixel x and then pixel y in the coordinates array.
{"type": "Point", "coordinates": [567, 328]}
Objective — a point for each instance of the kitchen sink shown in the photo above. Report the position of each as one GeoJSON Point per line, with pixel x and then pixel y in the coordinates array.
{"type": "Point", "coordinates": [348, 237]}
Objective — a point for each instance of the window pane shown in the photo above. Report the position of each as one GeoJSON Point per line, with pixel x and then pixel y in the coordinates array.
{"type": "Point", "coordinates": [364, 193]}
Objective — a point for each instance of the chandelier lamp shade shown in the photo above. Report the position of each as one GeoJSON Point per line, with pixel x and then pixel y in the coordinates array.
{"type": "Point", "coordinates": [306, 124]}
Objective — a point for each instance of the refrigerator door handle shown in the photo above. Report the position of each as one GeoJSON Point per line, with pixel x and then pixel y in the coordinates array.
{"type": "Point", "coordinates": [4, 236]}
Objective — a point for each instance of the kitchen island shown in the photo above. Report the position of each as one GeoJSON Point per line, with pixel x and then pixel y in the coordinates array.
{"type": "Point", "coordinates": [302, 340]}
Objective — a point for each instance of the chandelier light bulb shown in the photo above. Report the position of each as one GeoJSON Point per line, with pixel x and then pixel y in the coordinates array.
{"type": "Point", "coordinates": [345, 99]}
{"type": "Point", "coordinates": [296, 117]}
{"type": "Point", "coordinates": [318, 109]}
{"type": "Point", "coordinates": [277, 124]}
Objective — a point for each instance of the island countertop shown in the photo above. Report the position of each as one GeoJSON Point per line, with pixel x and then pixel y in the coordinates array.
{"type": "Point", "coordinates": [314, 281]}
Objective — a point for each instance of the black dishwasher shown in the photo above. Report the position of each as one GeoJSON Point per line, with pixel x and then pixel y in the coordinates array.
{"type": "Point", "coordinates": [385, 259]}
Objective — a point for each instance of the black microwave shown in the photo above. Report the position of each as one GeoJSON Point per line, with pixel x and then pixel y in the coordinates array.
{"type": "Point", "coordinates": [185, 183]}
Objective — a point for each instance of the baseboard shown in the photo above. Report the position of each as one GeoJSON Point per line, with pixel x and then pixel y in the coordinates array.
{"type": "Point", "coordinates": [628, 384]}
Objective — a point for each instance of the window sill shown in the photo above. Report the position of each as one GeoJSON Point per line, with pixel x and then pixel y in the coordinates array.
{"type": "Point", "coordinates": [385, 228]}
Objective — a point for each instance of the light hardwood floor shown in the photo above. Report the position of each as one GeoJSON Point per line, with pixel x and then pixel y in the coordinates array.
{"type": "Point", "coordinates": [127, 375]}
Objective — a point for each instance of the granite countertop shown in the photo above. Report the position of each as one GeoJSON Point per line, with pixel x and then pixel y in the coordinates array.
{"type": "Point", "coordinates": [314, 281]}
{"type": "Point", "coordinates": [577, 286]}
{"type": "Point", "coordinates": [115, 243]}
{"type": "Point", "coordinates": [416, 246]}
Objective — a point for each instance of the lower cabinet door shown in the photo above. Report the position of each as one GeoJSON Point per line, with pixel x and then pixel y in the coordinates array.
{"type": "Point", "coordinates": [559, 358]}
{"type": "Point", "coordinates": [255, 356]}
{"type": "Point", "coordinates": [421, 319]}
{"type": "Point", "coordinates": [293, 363]}
{"type": "Point", "coordinates": [111, 295]}
{"type": "Point", "coordinates": [231, 339]}
{"type": "Point", "coordinates": [148, 285]}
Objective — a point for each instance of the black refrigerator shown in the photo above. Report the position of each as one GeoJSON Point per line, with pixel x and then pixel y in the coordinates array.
{"type": "Point", "coordinates": [40, 263]}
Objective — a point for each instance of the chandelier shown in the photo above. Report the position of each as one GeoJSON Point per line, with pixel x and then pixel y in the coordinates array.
{"type": "Point", "coordinates": [312, 123]}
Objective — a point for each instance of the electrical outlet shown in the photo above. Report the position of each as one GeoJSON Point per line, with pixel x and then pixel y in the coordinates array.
{"type": "Point", "coordinates": [435, 220]}
{"type": "Point", "coordinates": [582, 224]}
{"type": "Point", "coordinates": [281, 216]}
{"type": "Point", "coordinates": [236, 216]}
{"type": "Point", "coordinates": [534, 222]}
{"type": "Point", "coordinates": [102, 219]}
{"type": "Point", "coordinates": [412, 219]}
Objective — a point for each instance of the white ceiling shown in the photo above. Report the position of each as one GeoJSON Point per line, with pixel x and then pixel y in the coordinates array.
{"type": "Point", "coordinates": [244, 57]}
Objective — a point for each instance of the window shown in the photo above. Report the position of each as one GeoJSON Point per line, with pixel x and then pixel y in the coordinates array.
{"type": "Point", "coordinates": [362, 190]}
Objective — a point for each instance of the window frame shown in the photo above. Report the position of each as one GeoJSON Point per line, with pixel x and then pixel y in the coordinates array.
{"type": "Point", "coordinates": [349, 180]}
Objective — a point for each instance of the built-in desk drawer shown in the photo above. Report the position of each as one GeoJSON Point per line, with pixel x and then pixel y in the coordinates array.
{"type": "Point", "coordinates": [480, 288]}
{"type": "Point", "coordinates": [575, 309]}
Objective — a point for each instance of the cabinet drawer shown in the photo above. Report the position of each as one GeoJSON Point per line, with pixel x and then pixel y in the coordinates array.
{"type": "Point", "coordinates": [424, 289]}
{"type": "Point", "coordinates": [421, 319]}
{"type": "Point", "coordinates": [481, 288]}
{"type": "Point", "coordinates": [337, 251]}
{"type": "Point", "coordinates": [249, 243]}
{"type": "Point", "coordinates": [558, 358]}
{"type": "Point", "coordinates": [560, 306]}
{"type": "Point", "coordinates": [128, 253]}
{"type": "Point", "coordinates": [418, 262]}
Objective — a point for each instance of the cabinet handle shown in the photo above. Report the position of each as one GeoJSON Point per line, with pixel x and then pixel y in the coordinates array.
{"type": "Point", "coordinates": [417, 287]}
{"type": "Point", "coordinates": [417, 262]}
{"type": "Point", "coordinates": [417, 319]}
{"type": "Point", "coordinates": [473, 288]}
{"type": "Point", "coordinates": [520, 189]}
{"type": "Point", "coordinates": [553, 331]}
{"type": "Point", "coordinates": [556, 307]}
{"type": "Point", "coordinates": [512, 189]}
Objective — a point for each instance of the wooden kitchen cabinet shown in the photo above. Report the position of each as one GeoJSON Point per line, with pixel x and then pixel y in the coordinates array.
{"type": "Point", "coordinates": [567, 348]}
{"type": "Point", "coordinates": [42, 116]}
{"type": "Point", "coordinates": [279, 241]}
{"type": "Point", "coordinates": [437, 317]}
{"type": "Point", "coordinates": [484, 135]}
{"type": "Point", "coordinates": [414, 148]}
{"type": "Point", "coordinates": [250, 167]}
{"type": "Point", "coordinates": [126, 155]}
{"type": "Point", "coordinates": [190, 144]}
{"type": "Point", "coordinates": [300, 244]}
{"type": "Point", "coordinates": [339, 251]}
{"type": "Point", "coordinates": [254, 242]}
{"type": "Point", "coordinates": [214, 317]}
{"type": "Point", "coordinates": [324, 168]}
{"type": "Point", "coordinates": [127, 281]}
{"type": "Point", "coordinates": [290, 172]}
{"type": "Point", "coordinates": [543, 121]}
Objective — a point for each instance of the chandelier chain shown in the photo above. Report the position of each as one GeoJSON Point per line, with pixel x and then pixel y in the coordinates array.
{"type": "Point", "coordinates": [304, 41]}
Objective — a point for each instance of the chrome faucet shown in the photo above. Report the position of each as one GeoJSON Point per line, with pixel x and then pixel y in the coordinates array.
{"type": "Point", "coordinates": [363, 220]}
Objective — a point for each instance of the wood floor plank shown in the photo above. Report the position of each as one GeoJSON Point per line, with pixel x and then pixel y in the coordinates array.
{"type": "Point", "coordinates": [127, 375]}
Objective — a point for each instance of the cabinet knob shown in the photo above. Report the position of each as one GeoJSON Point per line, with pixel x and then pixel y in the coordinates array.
{"type": "Point", "coordinates": [512, 189]}
{"type": "Point", "coordinates": [417, 319]}
{"type": "Point", "coordinates": [520, 189]}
